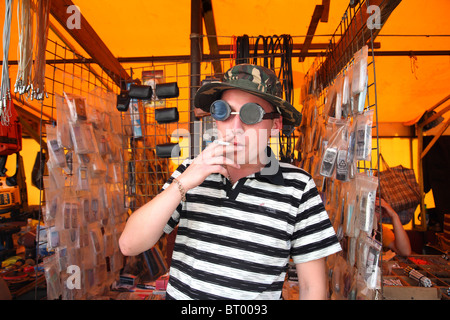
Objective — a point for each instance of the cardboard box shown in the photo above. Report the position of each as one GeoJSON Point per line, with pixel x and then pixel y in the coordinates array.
{"type": "Point", "coordinates": [411, 293]}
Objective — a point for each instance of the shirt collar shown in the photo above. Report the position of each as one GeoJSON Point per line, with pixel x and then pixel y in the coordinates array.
{"type": "Point", "coordinates": [272, 170]}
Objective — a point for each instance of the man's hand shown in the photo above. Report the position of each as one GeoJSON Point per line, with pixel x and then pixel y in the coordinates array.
{"type": "Point", "coordinates": [213, 159]}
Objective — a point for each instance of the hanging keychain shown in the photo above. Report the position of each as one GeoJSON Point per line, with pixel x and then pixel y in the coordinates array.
{"type": "Point", "coordinates": [5, 87]}
{"type": "Point", "coordinates": [25, 46]}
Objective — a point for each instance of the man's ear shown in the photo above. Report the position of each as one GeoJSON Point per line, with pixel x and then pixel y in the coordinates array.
{"type": "Point", "coordinates": [277, 125]}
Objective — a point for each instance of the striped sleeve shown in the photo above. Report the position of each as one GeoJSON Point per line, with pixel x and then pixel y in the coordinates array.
{"type": "Point", "coordinates": [314, 236]}
{"type": "Point", "coordinates": [175, 218]}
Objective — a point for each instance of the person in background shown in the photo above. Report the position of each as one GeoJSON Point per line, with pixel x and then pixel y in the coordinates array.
{"type": "Point", "coordinates": [241, 214]}
{"type": "Point", "coordinates": [396, 238]}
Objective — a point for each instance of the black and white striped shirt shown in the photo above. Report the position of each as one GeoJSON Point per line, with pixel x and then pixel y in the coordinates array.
{"type": "Point", "coordinates": [234, 242]}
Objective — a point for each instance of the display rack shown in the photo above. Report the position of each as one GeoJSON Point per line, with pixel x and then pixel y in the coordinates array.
{"type": "Point", "coordinates": [351, 273]}
{"type": "Point", "coordinates": [78, 231]}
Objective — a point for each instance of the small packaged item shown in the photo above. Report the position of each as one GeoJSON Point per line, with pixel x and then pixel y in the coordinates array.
{"type": "Point", "coordinates": [74, 215]}
{"type": "Point", "coordinates": [336, 140]}
{"type": "Point", "coordinates": [366, 187]}
{"type": "Point", "coordinates": [62, 118]}
{"type": "Point", "coordinates": [330, 101]}
{"type": "Point", "coordinates": [53, 238]}
{"type": "Point", "coordinates": [83, 138]}
{"type": "Point", "coordinates": [95, 215]}
{"type": "Point", "coordinates": [328, 162]}
{"type": "Point", "coordinates": [96, 238]}
{"type": "Point", "coordinates": [86, 209]}
{"type": "Point", "coordinates": [347, 92]}
{"type": "Point", "coordinates": [363, 136]}
{"type": "Point", "coordinates": [342, 165]}
{"type": "Point", "coordinates": [51, 271]}
{"type": "Point", "coordinates": [82, 175]}
{"type": "Point", "coordinates": [349, 214]}
{"type": "Point", "coordinates": [67, 214]}
{"type": "Point", "coordinates": [359, 79]}
{"type": "Point", "coordinates": [369, 252]}
{"type": "Point", "coordinates": [361, 98]}
{"type": "Point", "coordinates": [339, 90]}
{"type": "Point", "coordinates": [55, 150]}
{"type": "Point", "coordinates": [77, 106]}
{"type": "Point", "coordinates": [84, 236]}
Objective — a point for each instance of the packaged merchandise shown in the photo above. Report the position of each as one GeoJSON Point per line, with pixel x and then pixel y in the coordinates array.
{"type": "Point", "coordinates": [359, 76]}
{"type": "Point", "coordinates": [63, 118]}
{"type": "Point", "coordinates": [366, 187]}
{"type": "Point", "coordinates": [336, 141]}
{"type": "Point", "coordinates": [82, 197]}
{"type": "Point", "coordinates": [369, 253]}
{"type": "Point", "coordinates": [77, 107]}
{"type": "Point", "coordinates": [363, 136]}
{"type": "Point", "coordinates": [56, 153]}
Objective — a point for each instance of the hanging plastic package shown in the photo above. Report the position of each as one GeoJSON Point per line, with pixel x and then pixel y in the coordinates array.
{"type": "Point", "coordinates": [330, 101]}
{"type": "Point", "coordinates": [347, 92]}
{"type": "Point", "coordinates": [349, 214]}
{"type": "Point", "coordinates": [368, 263]}
{"type": "Point", "coordinates": [359, 80]}
{"type": "Point", "coordinates": [55, 150]}
{"type": "Point", "coordinates": [339, 91]}
{"type": "Point", "coordinates": [337, 132]}
{"type": "Point", "coordinates": [360, 70]}
{"type": "Point", "coordinates": [63, 118]}
{"type": "Point", "coordinates": [363, 136]}
{"type": "Point", "coordinates": [366, 189]}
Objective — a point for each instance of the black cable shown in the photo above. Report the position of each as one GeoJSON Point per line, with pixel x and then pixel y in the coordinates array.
{"type": "Point", "coordinates": [242, 49]}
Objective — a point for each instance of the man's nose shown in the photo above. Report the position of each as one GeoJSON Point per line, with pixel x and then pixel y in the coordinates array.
{"type": "Point", "coordinates": [237, 123]}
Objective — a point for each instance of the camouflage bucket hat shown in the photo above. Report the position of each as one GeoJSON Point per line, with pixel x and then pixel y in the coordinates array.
{"type": "Point", "coordinates": [257, 80]}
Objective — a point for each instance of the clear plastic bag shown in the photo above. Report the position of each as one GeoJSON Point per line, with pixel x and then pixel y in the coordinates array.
{"type": "Point", "coordinates": [62, 117]}
{"type": "Point", "coordinates": [363, 136]}
{"type": "Point", "coordinates": [55, 151]}
{"type": "Point", "coordinates": [366, 189]}
{"type": "Point", "coordinates": [360, 70]}
{"type": "Point", "coordinates": [350, 212]}
{"type": "Point", "coordinates": [83, 138]}
{"type": "Point", "coordinates": [51, 271]}
{"type": "Point", "coordinates": [336, 139]}
{"type": "Point", "coordinates": [369, 252]}
{"type": "Point", "coordinates": [338, 99]}
{"type": "Point", "coordinates": [347, 92]}
{"type": "Point", "coordinates": [77, 107]}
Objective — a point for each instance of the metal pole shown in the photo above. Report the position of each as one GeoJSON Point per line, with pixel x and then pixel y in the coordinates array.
{"type": "Point", "coordinates": [196, 53]}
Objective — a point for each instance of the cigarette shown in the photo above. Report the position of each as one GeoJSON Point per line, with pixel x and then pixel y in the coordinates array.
{"type": "Point", "coordinates": [223, 143]}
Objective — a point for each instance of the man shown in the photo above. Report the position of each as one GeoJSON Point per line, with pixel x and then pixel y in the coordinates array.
{"type": "Point", "coordinates": [240, 213]}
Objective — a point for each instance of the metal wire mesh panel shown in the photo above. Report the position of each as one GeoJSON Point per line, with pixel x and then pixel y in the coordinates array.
{"type": "Point", "coordinates": [82, 203]}
{"type": "Point", "coordinates": [338, 143]}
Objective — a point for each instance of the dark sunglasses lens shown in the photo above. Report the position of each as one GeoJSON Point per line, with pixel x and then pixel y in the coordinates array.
{"type": "Point", "coordinates": [220, 110]}
{"type": "Point", "coordinates": [251, 113]}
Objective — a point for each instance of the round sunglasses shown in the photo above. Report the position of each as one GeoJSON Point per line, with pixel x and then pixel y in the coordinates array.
{"type": "Point", "coordinates": [250, 113]}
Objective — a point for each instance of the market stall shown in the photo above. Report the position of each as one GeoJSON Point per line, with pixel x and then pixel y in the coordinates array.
{"type": "Point", "coordinates": [111, 131]}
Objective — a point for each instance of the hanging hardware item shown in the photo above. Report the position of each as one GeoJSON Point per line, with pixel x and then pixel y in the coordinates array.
{"type": "Point", "coordinates": [25, 46]}
{"type": "Point", "coordinates": [38, 90]}
{"type": "Point", "coordinates": [166, 115]}
{"type": "Point", "coordinates": [5, 98]}
{"type": "Point", "coordinates": [145, 92]}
